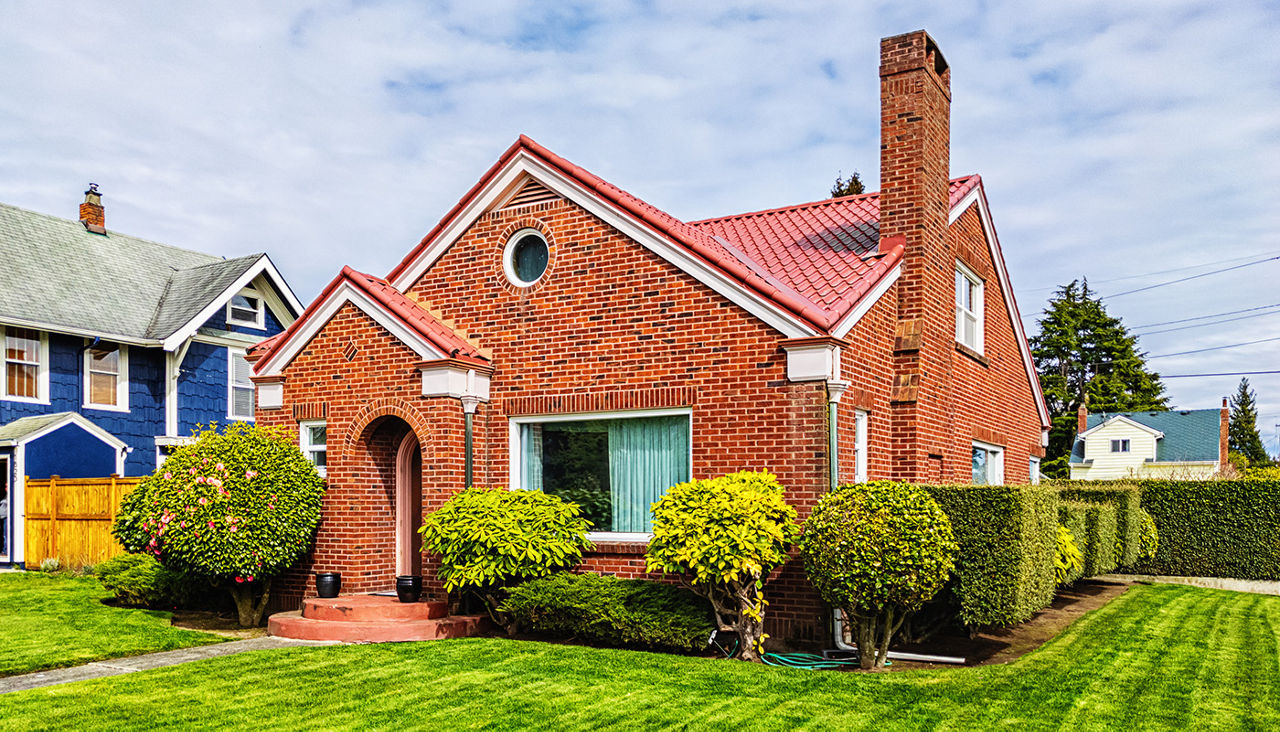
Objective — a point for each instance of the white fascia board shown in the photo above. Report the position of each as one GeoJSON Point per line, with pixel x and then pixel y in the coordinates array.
{"type": "Point", "coordinates": [867, 302]}
{"type": "Point", "coordinates": [81, 421]}
{"type": "Point", "coordinates": [82, 332]}
{"type": "Point", "coordinates": [1126, 420]}
{"type": "Point", "coordinates": [523, 164]}
{"type": "Point", "coordinates": [262, 266]}
{"type": "Point", "coordinates": [976, 197]}
{"type": "Point", "coordinates": [324, 312]}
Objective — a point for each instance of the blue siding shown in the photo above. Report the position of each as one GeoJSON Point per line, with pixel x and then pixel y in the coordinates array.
{"type": "Point", "coordinates": [272, 323]}
{"type": "Point", "coordinates": [70, 452]}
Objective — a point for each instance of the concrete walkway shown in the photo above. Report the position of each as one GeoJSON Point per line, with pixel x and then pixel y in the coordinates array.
{"type": "Point", "coordinates": [117, 666]}
{"type": "Point", "coordinates": [1257, 587]}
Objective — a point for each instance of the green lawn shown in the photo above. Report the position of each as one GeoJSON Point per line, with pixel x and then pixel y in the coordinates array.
{"type": "Point", "coordinates": [49, 621]}
{"type": "Point", "coordinates": [1159, 657]}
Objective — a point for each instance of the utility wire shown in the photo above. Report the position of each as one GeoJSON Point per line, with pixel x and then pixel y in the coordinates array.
{"type": "Point", "coordinates": [1188, 279]}
{"type": "Point", "coordinates": [1204, 317]}
{"type": "Point", "coordinates": [1224, 373]}
{"type": "Point", "coordinates": [1159, 272]}
{"type": "Point", "coordinates": [1216, 348]}
{"type": "Point", "coordinates": [1204, 325]}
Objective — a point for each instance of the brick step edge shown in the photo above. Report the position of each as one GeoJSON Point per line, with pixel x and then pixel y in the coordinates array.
{"type": "Point", "coordinates": [293, 625]}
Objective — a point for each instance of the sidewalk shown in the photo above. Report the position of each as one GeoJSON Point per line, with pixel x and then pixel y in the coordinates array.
{"type": "Point", "coordinates": [1257, 587]}
{"type": "Point", "coordinates": [117, 666]}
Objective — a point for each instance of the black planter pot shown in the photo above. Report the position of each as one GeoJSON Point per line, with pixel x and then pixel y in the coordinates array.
{"type": "Point", "coordinates": [328, 584]}
{"type": "Point", "coordinates": [409, 587]}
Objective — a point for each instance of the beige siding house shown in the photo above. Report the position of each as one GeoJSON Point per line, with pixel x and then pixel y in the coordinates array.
{"type": "Point", "coordinates": [1174, 444]}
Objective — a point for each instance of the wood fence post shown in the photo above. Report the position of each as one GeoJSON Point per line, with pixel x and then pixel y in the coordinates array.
{"type": "Point", "coordinates": [53, 516]}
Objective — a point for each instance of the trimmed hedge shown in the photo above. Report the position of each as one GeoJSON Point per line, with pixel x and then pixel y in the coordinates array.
{"type": "Point", "coordinates": [610, 611]}
{"type": "Point", "coordinates": [1101, 545]}
{"type": "Point", "coordinates": [1127, 500]}
{"type": "Point", "coordinates": [1008, 537]}
{"type": "Point", "coordinates": [1215, 528]}
{"type": "Point", "coordinates": [1074, 516]}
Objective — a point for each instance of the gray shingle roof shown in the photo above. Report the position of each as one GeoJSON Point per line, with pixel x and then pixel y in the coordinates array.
{"type": "Point", "coordinates": [1189, 435]}
{"type": "Point", "coordinates": [20, 428]}
{"type": "Point", "coordinates": [53, 272]}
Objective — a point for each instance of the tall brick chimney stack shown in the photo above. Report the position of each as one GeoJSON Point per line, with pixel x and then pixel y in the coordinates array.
{"type": "Point", "coordinates": [1223, 426]}
{"type": "Point", "coordinates": [1082, 420]}
{"type": "Point", "coordinates": [92, 214]}
{"type": "Point", "coordinates": [915, 155]}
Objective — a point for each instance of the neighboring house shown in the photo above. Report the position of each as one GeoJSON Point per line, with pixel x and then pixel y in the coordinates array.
{"type": "Point", "coordinates": [115, 348]}
{"type": "Point", "coordinates": [1187, 444]}
{"type": "Point", "coordinates": [554, 332]}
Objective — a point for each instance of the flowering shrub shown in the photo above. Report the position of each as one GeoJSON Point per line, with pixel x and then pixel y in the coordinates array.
{"type": "Point", "coordinates": [237, 507]}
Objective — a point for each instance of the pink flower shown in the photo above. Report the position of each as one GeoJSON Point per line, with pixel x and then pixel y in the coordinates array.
{"type": "Point", "coordinates": [250, 473]}
{"type": "Point", "coordinates": [271, 506]}
{"type": "Point", "coordinates": [233, 529]}
{"type": "Point", "coordinates": [240, 580]}
{"type": "Point", "coordinates": [219, 466]}
{"type": "Point", "coordinates": [184, 524]}
{"type": "Point", "coordinates": [200, 479]}
{"type": "Point", "coordinates": [192, 471]}
{"type": "Point", "coordinates": [211, 524]}
{"type": "Point", "coordinates": [250, 578]}
{"type": "Point", "coordinates": [214, 481]}
{"type": "Point", "coordinates": [168, 475]}
{"type": "Point", "coordinates": [205, 461]}
{"type": "Point", "coordinates": [203, 500]}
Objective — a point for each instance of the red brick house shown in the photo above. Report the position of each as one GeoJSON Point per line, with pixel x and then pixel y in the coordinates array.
{"type": "Point", "coordinates": [555, 332]}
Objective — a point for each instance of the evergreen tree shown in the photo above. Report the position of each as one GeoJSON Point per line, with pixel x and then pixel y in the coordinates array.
{"type": "Point", "coordinates": [1242, 429]}
{"type": "Point", "coordinates": [1082, 352]}
{"type": "Point", "coordinates": [850, 186]}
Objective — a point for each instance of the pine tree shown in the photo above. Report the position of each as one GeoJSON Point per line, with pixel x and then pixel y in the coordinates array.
{"type": "Point", "coordinates": [850, 186]}
{"type": "Point", "coordinates": [1083, 352]}
{"type": "Point", "coordinates": [1242, 428]}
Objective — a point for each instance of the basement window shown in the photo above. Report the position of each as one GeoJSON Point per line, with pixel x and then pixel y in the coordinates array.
{"type": "Point", "coordinates": [613, 466]}
{"type": "Point", "coordinates": [969, 299]}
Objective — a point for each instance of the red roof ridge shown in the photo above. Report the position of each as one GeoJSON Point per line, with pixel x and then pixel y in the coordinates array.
{"type": "Point", "coordinates": [962, 180]}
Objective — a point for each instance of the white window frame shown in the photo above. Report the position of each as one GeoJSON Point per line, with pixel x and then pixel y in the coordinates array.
{"type": "Point", "coordinates": [509, 254]}
{"type": "Point", "coordinates": [1033, 470]}
{"type": "Point", "coordinates": [42, 368]}
{"type": "Point", "coordinates": [995, 462]}
{"type": "Point", "coordinates": [232, 386]}
{"type": "Point", "coordinates": [122, 380]}
{"type": "Point", "coordinates": [308, 447]}
{"type": "Point", "coordinates": [259, 319]}
{"type": "Point", "coordinates": [1121, 446]}
{"type": "Point", "coordinates": [860, 421]}
{"type": "Point", "coordinates": [977, 313]}
{"type": "Point", "coordinates": [515, 459]}
{"type": "Point", "coordinates": [7, 535]}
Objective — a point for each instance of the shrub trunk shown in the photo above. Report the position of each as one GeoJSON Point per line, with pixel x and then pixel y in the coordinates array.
{"type": "Point", "coordinates": [248, 609]}
{"type": "Point", "coordinates": [874, 632]}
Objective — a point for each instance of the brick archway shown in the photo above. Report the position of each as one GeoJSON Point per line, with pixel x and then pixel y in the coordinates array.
{"type": "Point", "coordinates": [386, 407]}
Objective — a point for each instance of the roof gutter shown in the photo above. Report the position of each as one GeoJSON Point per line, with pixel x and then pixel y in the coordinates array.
{"type": "Point", "coordinates": [64, 330]}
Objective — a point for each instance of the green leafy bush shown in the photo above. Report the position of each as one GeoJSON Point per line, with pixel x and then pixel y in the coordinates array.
{"type": "Point", "coordinates": [877, 551]}
{"type": "Point", "coordinates": [1008, 538]}
{"type": "Point", "coordinates": [1228, 528]}
{"type": "Point", "coordinates": [237, 507]}
{"type": "Point", "coordinates": [1074, 517]}
{"type": "Point", "coordinates": [1100, 545]}
{"type": "Point", "coordinates": [1148, 537]}
{"type": "Point", "coordinates": [138, 580]}
{"type": "Point", "coordinates": [1126, 498]}
{"type": "Point", "coordinates": [491, 538]}
{"type": "Point", "coordinates": [1068, 563]}
{"type": "Point", "coordinates": [610, 611]}
{"type": "Point", "coordinates": [723, 537]}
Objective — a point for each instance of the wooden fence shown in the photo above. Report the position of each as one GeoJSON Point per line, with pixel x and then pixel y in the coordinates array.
{"type": "Point", "coordinates": [70, 519]}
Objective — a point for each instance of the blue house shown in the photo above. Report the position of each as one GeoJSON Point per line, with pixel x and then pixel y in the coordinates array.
{"type": "Point", "coordinates": [115, 348]}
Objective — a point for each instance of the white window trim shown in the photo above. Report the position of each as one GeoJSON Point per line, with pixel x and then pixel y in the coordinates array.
{"type": "Point", "coordinates": [508, 257]}
{"type": "Point", "coordinates": [259, 320]}
{"type": "Point", "coordinates": [978, 313]}
{"type": "Point", "coordinates": [10, 513]}
{"type": "Point", "coordinates": [305, 444]}
{"type": "Point", "coordinates": [995, 462]}
{"type": "Point", "coordinates": [1033, 471]}
{"type": "Point", "coordinates": [42, 370]}
{"type": "Point", "coordinates": [1121, 446]}
{"type": "Point", "coordinates": [232, 386]}
{"type": "Point", "coordinates": [122, 382]}
{"type": "Point", "coordinates": [514, 458]}
{"type": "Point", "coordinates": [860, 423]}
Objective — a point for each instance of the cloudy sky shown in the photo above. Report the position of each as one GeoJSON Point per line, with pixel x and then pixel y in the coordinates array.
{"type": "Point", "coordinates": [1133, 143]}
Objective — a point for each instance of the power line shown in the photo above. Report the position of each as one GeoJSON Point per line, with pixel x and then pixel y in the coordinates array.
{"type": "Point", "coordinates": [1205, 317]}
{"type": "Point", "coordinates": [1216, 348]}
{"type": "Point", "coordinates": [1205, 325]}
{"type": "Point", "coordinates": [1162, 271]}
{"type": "Point", "coordinates": [1224, 373]}
{"type": "Point", "coordinates": [1192, 277]}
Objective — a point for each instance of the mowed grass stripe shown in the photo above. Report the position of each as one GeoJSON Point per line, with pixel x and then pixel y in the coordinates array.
{"type": "Point", "coordinates": [1144, 661]}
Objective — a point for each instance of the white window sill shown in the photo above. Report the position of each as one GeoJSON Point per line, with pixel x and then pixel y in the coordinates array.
{"type": "Point", "coordinates": [105, 407]}
{"type": "Point", "coordinates": [231, 418]}
{"type": "Point", "coordinates": [244, 324]}
{"type": "Point", "coordinates": [618, 537]}
{"type": "Point", "coordinates": [25, 400]}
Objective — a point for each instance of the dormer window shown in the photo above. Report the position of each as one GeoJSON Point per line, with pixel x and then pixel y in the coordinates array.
{"type": "Point", "coordinates": [245, 308]}
{"type": "Point", "coordinates": [969, 299]}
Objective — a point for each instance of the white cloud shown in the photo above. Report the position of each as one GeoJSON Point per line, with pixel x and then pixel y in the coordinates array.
{"type": "Point", "coordinates": [1114, 138]}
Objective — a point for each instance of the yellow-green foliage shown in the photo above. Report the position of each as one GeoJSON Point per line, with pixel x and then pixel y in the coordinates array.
{"type": "Point", "coordinates": [1069, 562]}
{"type": "Point", "coordinates": [1126, 499]}
{"type": "Point", "coordinates": [878, 545]}
{"type": "Point", "coordinates": [1149, 538]}
{"type": "Point", "coordinates": [490, 537]}
{"type": "Point", "coordinates": [732, 528]}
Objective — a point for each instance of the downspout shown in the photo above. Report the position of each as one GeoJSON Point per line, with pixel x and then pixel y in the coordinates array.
{"type": "Point", "coordinates": [835, 390]}
{"type": "Point", "coordinates": [469, 404]}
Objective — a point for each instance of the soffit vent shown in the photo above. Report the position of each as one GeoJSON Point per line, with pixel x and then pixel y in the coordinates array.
{"type": "Point", "coordinates": [533, 192]}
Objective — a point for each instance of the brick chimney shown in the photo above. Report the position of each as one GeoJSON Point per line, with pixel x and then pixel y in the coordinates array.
{"type": "Point", "coordinates": [1223, 424]}
{"type": "Point", "coordinates": [915, 139]}
{"type": "Point", "coordinates": [91, 213]}
{"type": "Point", "coordinates": [1082, 420]}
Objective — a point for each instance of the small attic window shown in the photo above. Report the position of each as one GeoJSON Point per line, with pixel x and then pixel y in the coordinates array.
{"type": "Point", "coordinates": [525, 257]}
{"type": "Point", "coordinates": [245, 308]}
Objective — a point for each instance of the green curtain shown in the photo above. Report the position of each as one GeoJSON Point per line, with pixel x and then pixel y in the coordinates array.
{"type": "Point", "coordinates": [531, 450]}
{"type": "Point", "coordinates": [646, 457]}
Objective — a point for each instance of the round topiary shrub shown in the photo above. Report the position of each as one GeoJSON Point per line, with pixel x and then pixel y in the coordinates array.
{"type": "Point", "coordinates": [491, 538]}
{"type": "Point", "coordinates": [722, 537]}
{"type": "Point", "coordinates": [237, 507]}
{"type": "Point", "coordinates": [877, 551]}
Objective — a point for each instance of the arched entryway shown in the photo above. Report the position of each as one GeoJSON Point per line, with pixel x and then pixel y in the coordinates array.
{"type": "Point", "coordinates": [408, 506]}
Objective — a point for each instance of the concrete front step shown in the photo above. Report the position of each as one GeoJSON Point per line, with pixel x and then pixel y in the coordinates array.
{"type": "Point", "coordinates": [294, 625]}
{"type": "Point", "coordinates": [371, 608]}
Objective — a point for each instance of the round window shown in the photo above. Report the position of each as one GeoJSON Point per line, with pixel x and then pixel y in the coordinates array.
{"type": "Point", "coordinates": [526, 257]}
